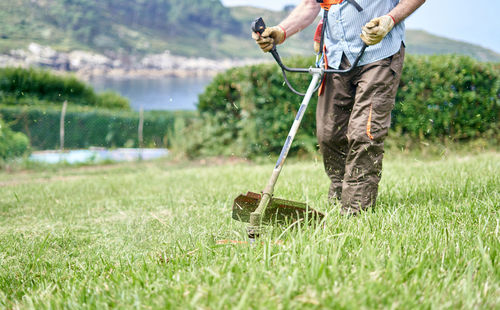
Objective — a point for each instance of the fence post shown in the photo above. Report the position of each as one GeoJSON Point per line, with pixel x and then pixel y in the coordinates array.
{"type": "Point", "coordinates": [61, 125]}
{"type": "Point", "coordinates": [141, 127]}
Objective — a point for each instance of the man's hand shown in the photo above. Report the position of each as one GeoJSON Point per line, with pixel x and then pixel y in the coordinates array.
{"type": "Point", "coordinates": [376, 29]}
{"type": "Point", "coordinates": [270, 37]}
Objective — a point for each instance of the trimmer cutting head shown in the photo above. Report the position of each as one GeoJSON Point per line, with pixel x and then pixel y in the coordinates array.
{"type": "Point", "coordinates": [278, 211]}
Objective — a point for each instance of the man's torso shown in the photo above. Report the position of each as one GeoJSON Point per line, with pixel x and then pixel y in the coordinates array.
{"type": "Point", "coordinates": [344, 28]}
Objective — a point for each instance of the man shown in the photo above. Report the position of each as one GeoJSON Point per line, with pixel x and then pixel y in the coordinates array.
{"type": "Point", "coordinates": [354, 112]}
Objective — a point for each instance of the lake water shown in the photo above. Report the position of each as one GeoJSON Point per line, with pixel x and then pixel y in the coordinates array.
{"type": "Point", "coordinates": [166, 93]}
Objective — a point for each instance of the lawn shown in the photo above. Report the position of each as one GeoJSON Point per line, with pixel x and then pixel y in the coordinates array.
{"type": "Point", "coordinates": [145, 235]}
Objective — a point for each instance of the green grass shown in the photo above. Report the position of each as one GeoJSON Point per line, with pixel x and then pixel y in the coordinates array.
{"type": "Point", "coordinates": [144, 236]}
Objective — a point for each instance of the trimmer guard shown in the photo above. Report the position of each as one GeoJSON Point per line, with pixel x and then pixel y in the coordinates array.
{"type": "Point", "coordinates": [278, 211]}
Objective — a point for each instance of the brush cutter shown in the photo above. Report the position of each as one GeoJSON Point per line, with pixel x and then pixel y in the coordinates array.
{"type": "Point", "coordinates": [259, 209]}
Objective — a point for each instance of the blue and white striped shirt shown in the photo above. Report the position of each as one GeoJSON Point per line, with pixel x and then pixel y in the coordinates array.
{"type": "Point", "coordinates": [344, 28]}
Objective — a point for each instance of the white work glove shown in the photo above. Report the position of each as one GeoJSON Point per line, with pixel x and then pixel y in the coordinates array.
{"type": "Point", "coordinates": [270, 37]}
{"type": "Point", "coordinates": [376, 29]}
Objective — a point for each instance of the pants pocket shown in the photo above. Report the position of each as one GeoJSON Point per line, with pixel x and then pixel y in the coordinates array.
{"type": "Point", "coordinates": [379, 119]}
{"type": "Point", "coordinates": [397, 62]}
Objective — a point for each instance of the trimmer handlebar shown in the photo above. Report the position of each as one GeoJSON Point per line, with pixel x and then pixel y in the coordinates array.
{"type": "Point", "coordinates": [259, 26]}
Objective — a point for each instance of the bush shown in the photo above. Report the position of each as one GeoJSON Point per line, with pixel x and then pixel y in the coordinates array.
{"type": "Point", "coordinates": [112, 100]}
{"type": "Point", "coordinates": [85, 127]}
{"type": "Point", "coordinates": [249, 110]}
{"type": "Point", "coordinates": [12, 144]}
{"type": "Point", "coordinates": [20, 86]}
{"type": "Point", "coordinates": [447, 98]}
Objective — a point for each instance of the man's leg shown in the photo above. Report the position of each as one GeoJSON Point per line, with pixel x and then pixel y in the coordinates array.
{"type": "Point", "coordinates": [376, 87]}
{"type": "Point", "coordinates": [332, 117]}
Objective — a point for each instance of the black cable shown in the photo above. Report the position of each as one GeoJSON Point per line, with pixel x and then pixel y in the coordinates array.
{"type": "Point", "coordinates": [278, 59]}
{"type": "Point", "coordinates": [284, 68]}
{"type": "Point", "coordinates": [293, 89]}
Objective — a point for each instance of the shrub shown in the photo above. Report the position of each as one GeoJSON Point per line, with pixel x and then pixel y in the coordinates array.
{"type": "Point", "coordinates": [12, 144]}
{"type": "Point", "coordinates": [448, 98]}
{"type": "Point", "coordinates": [249, 110]}
{"type": "Point", "coordinates": [20, 86]}
{"type": "Point", "coordinates": [112, 100]}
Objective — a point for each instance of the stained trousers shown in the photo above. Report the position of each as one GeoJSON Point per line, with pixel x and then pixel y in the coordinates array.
{"type": "Point", "coordinates": [353, 117]}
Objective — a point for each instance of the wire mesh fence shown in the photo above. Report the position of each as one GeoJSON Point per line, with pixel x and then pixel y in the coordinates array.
{"type": "Point", "coordinates": [70, 126]}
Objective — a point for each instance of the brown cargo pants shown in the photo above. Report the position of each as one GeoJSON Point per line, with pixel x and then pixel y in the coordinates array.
{"type": "Point", "coordinates": [352, 120]}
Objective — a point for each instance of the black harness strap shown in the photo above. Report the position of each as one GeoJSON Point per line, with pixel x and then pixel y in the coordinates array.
{"type": "Point", "coordinates": [356, 5]}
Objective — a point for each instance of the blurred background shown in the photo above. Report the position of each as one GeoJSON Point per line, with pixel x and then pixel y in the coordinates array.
{"type": "Point", "coordinates": [138, 73]}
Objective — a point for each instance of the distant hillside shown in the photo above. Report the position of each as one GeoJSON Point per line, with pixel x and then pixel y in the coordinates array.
{"type": "Point", "coordinates": [131, 27]}
{"type": "Point", "coordinates": [109, 26]}
{"type": "Point", "coordinates": [422, 42]}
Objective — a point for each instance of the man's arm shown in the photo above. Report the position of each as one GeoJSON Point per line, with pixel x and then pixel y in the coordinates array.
{"type": "Point", "coordinates": [376, 29]}
{"type": "Point", "coordinates": [404, 9]}
{"type": "Point", "coordinates": [301, 17]}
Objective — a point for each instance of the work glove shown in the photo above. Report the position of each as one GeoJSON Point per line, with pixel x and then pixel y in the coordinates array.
{"type": "Point", "coordinates": [270, 37]}
{"type": "Point", "coordinates": [376, 29]}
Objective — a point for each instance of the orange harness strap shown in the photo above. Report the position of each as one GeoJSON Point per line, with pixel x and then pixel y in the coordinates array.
{"type": "Point", "coordinates": [326, 4]}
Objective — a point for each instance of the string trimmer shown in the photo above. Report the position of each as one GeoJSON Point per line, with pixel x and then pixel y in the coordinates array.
{"type": "Point", "coordinates": [264, 209]}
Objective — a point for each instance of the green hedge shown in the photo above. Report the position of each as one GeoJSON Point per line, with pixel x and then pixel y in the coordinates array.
{"type": "Point", "coordinates": [12, 144]}
{"type": "Point", "coordinates": [20, 86]}
{"type": "Point", "coordinates": [249, 110]}
{"type": "Point", "coordinates": [85, 127]}
{"type": "Point", "coordinates": [448, 97]}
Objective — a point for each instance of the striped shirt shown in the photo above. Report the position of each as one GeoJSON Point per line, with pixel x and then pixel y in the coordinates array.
{"type": "Point", "coordinates": [344, 28]}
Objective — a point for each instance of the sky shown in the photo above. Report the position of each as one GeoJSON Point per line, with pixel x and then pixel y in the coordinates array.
{"type": "Point", "coordinates": [473, 21]}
